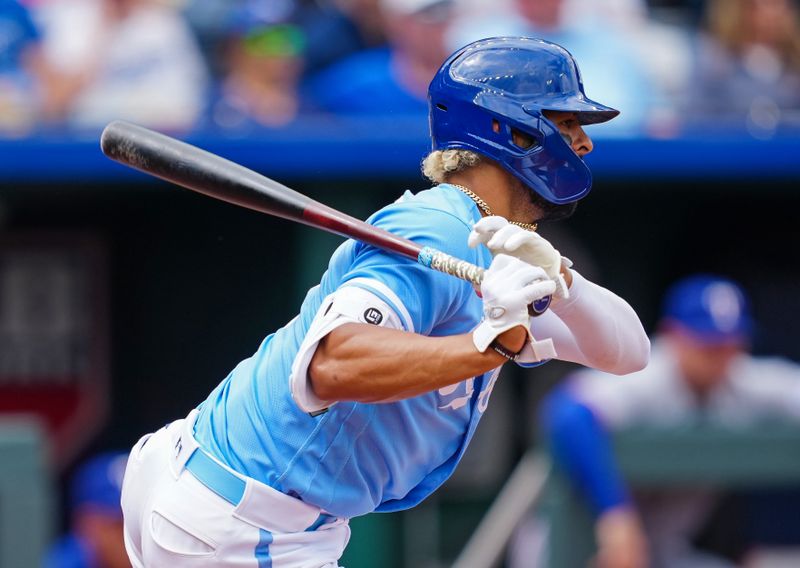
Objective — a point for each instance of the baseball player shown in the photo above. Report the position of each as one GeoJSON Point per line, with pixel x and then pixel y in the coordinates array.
{"type": "Point", "coordinates": [700, 371]}
{"type": "Point", "coordinates": [367, 400]}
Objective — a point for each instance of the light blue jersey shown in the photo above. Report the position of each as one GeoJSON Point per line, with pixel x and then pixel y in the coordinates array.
{"type": "Point", "coordinates": [357, 457]}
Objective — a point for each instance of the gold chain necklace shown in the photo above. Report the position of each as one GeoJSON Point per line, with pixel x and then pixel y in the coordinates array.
{"type": "Point", "coordinates": [483, 206]}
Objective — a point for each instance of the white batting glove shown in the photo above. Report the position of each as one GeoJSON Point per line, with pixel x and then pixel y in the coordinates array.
{"type": "Point", "coordinates": [509, 286]}
{"type": "Point", "coordinates": [501, 237]}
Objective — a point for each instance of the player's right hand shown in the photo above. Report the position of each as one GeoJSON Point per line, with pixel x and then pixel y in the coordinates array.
{"type": "Point", "coordinates": [502, 237]}
{"type": "Point", "coordinates": [509, 286]}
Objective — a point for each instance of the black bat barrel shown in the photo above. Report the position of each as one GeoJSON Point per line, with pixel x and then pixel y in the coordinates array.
{"type": "Point", "coordinates": [198, 170]}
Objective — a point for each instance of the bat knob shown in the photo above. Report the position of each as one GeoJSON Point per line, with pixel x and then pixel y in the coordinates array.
{"type": "Point", "coordinates": [538, 307]}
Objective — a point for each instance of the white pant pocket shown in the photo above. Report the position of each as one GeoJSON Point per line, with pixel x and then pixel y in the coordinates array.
{"type": "Point", "coordinates": [172, 537]}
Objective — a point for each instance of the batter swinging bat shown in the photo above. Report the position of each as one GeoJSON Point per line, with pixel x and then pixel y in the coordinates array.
{"type": "Point", "coordinates": [188, 166]}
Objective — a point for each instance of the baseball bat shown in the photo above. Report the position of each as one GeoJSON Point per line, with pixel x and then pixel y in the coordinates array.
{"type": "Point", "coordinates": [201, 171]}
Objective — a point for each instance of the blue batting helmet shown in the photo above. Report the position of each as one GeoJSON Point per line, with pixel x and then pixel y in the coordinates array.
{"type": "Point", "coordinates": [713, 309]}
{"type": "Point", "coordinates": [491, 87]}
{"type": "Point", "coordinates": [97, 484]}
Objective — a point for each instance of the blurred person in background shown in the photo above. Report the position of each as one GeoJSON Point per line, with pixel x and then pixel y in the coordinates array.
{"type": "Point", "coordinates": [262, 63]}
{"type": "Point", "coordinates": [588, 31]}
{"type": "Point", "coordinates": [700, 371]}
{"type": "Point", "coordinates": [110, 59]}
{"type": "Point", "coordinates": [18, 51]}
{"type": "Point", "coordinates": [252, 42]}
{"type": "Point", "coordinates": [95, 537]}
{"type": "Point", "coordinates": [747, 70]}
{"type": "Point", "coordinates": [661, 42]}
{"type": "Point", "coordinates": [339, 28]}
{"type": "Point", "coordinates": [393, 79]}
{"type": "Point", "coordinates": [368, 18]}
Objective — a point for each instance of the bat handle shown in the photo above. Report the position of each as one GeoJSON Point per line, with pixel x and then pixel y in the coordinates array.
{"type": "Point", "coordinates": [436, 259]}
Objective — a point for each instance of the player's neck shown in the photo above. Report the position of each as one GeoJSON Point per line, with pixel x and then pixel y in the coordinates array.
{"type": "Point", "coordinates": [496, 187]}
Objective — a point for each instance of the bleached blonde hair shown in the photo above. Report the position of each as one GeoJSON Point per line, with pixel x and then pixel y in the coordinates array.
{"type": "Point", "coordinates": [439, 164]}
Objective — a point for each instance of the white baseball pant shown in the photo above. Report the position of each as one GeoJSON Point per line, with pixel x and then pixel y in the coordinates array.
{"type": "Point", "coordinates": [182, 508]}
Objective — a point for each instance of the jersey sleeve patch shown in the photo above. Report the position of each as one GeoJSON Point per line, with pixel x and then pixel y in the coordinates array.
{"type": "Point", "coordinates": [381, 291]}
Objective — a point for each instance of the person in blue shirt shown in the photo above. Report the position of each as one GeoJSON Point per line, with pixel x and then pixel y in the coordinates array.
{"type": "Point", "coordinates": [260, 54]}
{"type": "Point", "coordinates": [367, 400]}
{"type": "Point", "coordinates": [95, 537]}
{"type": "Point", "coordinates": [700, 371]}
{"type": "Point", "coordinates": [260, 87]}
{"type": "Point", "coordinates": [390, 79]}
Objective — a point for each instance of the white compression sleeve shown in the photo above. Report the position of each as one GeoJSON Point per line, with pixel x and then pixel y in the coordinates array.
{"type": "Point", "coordinates": [596, 328]}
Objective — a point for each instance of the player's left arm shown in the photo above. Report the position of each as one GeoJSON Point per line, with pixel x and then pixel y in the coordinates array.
{"type": "Point", "coordinates": [587, 323]}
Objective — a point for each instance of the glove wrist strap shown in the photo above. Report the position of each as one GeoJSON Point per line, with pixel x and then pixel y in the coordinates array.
{"type": "Point", "coordinates": [497, 347]}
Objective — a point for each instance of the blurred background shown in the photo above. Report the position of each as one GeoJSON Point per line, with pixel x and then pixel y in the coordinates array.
{"type": "Point", "coordinates": [123, 300]}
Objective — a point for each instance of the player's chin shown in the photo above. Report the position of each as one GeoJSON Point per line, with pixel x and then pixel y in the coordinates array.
{"type": "Point", "coordinates": [546, 210]}
{"type": "Point", "coordinates": [551, 211]}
